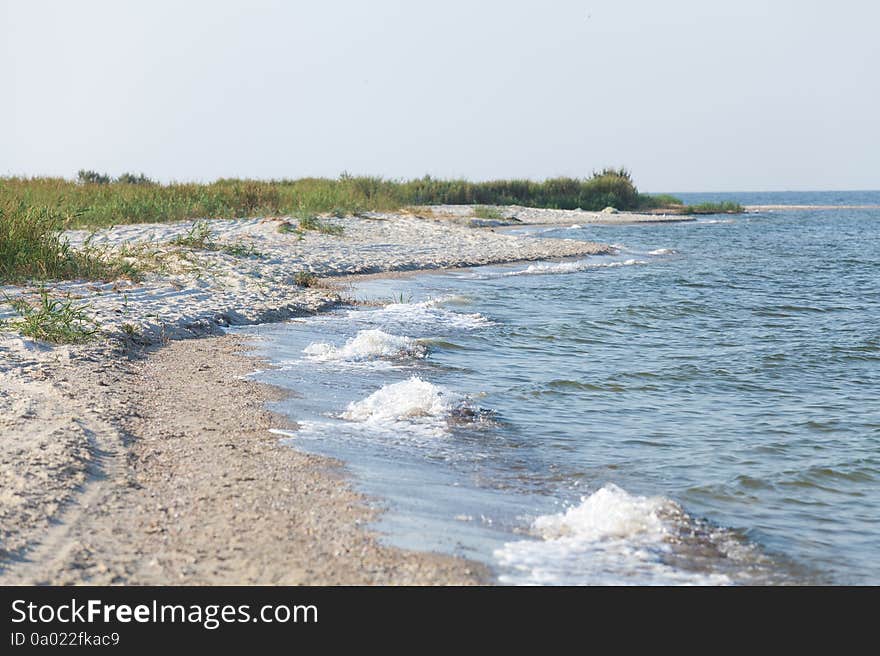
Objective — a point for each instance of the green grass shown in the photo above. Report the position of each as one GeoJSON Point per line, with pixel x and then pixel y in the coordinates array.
{"type": "Point", "coordinates": [401, 298]}
{"type": "Point", "coordinates": [52, 320]}
{"type": "Point", "coordinates": [199, 237]}
{"type": "Point", "coordinates": [98, 200]}
{"type": "Point", "coordinates": [726, 207]}
{"type": "Point", "coordinates": [239, 249]}
{"type": "Point", "coordinates": [32, 248]}
{"type": "Point", "coordinates": [34, 211]}
{"type": "Point", "coordinates": [658, 201]}
{"type": "Point", "coordinates": [676, 205]}
{"type": "Point", "coordinates": [130, 330]}
{"type": "Point", "coordinates": [314, 223]}
{"type": "Point", "coordinates": [483, 212]}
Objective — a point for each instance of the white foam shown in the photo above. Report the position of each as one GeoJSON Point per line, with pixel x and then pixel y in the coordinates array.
{"type": "Point", "coordinates": [611, 537]}
{"type": "Point", "coordinates": [569, 267]}
{"type": "Point", "coordinates": [366, 345]}
{"type": "Point", "coordinates": [662, 251]}
{"type": "Point", "coordinates": [426, 312]}
{"type": "Point", "coordinates": [413, 399]}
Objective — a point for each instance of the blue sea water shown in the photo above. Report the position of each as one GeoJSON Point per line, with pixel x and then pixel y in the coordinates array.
{"type": "Point", "coordinates": [702, 407]}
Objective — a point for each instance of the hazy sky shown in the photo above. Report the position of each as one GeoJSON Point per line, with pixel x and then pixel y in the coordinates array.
{"type": "Point", "coordinates": [689, 94]}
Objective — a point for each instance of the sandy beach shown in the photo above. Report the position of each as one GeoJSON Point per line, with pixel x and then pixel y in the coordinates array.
{"type": "Point", "coordinates": [294, 299]}
{"type": "Point", "coordinates": [138, 458]}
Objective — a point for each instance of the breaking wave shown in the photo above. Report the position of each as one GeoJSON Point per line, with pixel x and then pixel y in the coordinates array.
{"type": "Point", "coordinates": [569, 267]}
{"type": "Point", "coordinates": [614, 537]}
{"type": "Point", "coordinates": [365, 346]}
{"type": "Point", "coordinates": [414, 405]}
{"type": "Point", "coordinates": [427, 312]}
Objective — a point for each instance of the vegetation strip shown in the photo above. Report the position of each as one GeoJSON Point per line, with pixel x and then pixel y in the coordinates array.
{"type": "Point", "coordinates": [97, 200]}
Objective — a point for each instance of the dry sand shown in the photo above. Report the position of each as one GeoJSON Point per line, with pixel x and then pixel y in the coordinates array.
{"type": "Point", "coordinates": [513, 214]}
{"type": "Point", "coordinates": [195, 291]}
{"type": "Point", "coordinates": [139, 459]}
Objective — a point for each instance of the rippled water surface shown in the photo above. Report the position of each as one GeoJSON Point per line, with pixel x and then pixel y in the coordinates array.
{"type": "Point", "coordinates": [702, 407]}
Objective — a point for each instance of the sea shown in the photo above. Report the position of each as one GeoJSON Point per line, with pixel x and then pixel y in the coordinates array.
{"type": "Point", "coordinates": [700, 408]}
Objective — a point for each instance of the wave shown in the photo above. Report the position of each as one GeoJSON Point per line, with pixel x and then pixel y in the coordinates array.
{"type": "Point", "coordinates": [570, 267]}
{"type": "Point", "coordinates": [365, 346]}
{"type": "Point", "coordinates": [426, 312]}
{"type": "Point", "coordinates": [613, 537]}
{"type": "Point", "coordinates": [415, 405]}
{"type": "Point", "coordinates": [662, 251]}
{"type": "Point", "coordinates": [409, 399]}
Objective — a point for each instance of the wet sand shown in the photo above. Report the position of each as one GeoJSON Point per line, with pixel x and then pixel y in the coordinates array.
{"type": "Point", "coordinates": [187, 486]}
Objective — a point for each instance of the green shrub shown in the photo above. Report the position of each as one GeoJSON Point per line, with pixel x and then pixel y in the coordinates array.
{"type": "Point", "coordinates": [134, 179]}
{"type": "Point", "coordinates": [92, 177]}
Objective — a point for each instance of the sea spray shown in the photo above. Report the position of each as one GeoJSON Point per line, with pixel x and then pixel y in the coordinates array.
{"type": "Point", "coordinates": [416, 407]}
{"type": "Point", "coordinates": [612, 536]}
{"type": "Point", "coordinates": [411, 399]}
{"type": "Point", "coordinates": [425, 313]}
{"type": "Point", "coordinates": [365, 346]}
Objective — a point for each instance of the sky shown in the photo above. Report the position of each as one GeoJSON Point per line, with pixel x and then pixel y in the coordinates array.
{"type": "Point", "coordinates": [690, 95]}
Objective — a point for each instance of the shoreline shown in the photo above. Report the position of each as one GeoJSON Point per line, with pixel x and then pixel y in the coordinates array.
{"type": "Point", "coordinates": [102, 482]}
{"type": "Point", "coordinates": [90, 463]}
{"type": "Point", "coordinates": [199, 492]}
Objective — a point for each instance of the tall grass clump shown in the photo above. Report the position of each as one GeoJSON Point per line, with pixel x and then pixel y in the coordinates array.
{"type": "Point", "coordinates": [200, 237]}
{"type": "Point", "coordinates": [314, 223]}
{"type": "Point", "coordinates": [52, 320]}
{"type": "Point", "coordinates": [32, 248]}
{"type": "Point", "coordinates": [484, 212]}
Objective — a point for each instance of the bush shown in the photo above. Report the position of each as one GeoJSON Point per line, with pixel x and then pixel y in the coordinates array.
{"type": "Point", "coordinates": [92, 177]}
{"type": "Point", "coordinates": [134, 179]}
